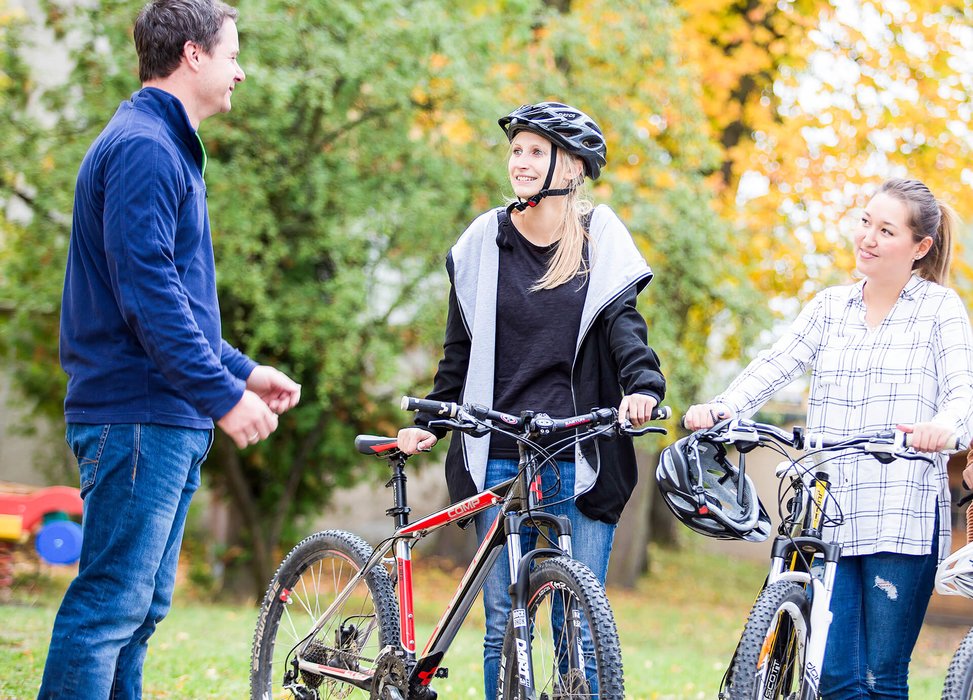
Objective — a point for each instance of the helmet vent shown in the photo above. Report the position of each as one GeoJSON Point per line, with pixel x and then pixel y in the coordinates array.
{"type": "Point", "coordinates": [706, 492]}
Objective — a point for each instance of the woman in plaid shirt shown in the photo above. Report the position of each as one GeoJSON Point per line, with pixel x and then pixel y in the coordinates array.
{"type": "Point", "coordinates": [893, 350]}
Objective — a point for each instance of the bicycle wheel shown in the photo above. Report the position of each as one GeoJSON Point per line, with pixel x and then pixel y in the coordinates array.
{"type": "Point", "coordinates": [557, 585]}
{"type": "Point", "coordinates": [769, 661]}
{"type": "Point", "coordinates": [305, 585]}
{"type": "Point", "coordinates": [959, 677]}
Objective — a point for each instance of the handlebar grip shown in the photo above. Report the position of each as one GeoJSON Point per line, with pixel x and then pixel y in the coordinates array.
{"type": "Point", "coordinates": [661, 413]}
{"type": "Point", "coordinates": [440, 408]}
{"type": "Point", "coordinates": [955, 444]}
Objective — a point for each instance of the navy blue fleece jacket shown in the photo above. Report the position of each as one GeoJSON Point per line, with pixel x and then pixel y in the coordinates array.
{"type": "Point", "coordinates": [140, 320]}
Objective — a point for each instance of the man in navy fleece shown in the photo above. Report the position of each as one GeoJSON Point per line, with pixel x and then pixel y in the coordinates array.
{"type": "Point", "coordinates": [148, 371]}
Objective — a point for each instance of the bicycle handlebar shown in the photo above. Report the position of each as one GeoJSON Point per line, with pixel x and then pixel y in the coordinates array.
{"type": "Point", "coordinates": [887, 442]}
{"type": "Point", "coordinates": [955, 445]}
{"type": "Point", "coordinates": [532, 422]}
{"type": "Point", "coordinates": [440, 408]}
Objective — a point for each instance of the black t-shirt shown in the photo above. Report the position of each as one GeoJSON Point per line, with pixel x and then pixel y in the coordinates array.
{"type": "Point", "coordinates": [536, 336]}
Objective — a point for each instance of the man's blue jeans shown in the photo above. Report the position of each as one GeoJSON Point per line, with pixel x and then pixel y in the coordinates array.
{"type": "Point", "coordinates": [136, 482]}
{"type": "Point", "coordinates": [591, 543]}
{"type": "Point", "coordinates": [879, 602]}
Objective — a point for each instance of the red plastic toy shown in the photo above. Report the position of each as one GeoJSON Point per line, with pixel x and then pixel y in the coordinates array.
{"type": "Point", "coordinates": [45, 513]}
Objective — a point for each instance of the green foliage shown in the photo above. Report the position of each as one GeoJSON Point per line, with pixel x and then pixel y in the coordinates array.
{"type": "Point", "coordinates": [362, 142]}
{"type": "Point", "coordinates": [617, 60]}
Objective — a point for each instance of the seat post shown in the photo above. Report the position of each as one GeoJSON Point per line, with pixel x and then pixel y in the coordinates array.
{"type": "Point", "coordinates": [400, 510]}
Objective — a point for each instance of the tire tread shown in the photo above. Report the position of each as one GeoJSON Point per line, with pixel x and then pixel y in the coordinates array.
{"type": "Point", "coordinates": [305, 553]}
{"type": "Point", "coordinates": [959, 678]}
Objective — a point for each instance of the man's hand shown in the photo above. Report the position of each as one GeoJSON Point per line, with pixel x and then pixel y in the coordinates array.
{"type": "Point", "coordinates": [637, 408]}
{"type": "Point", "coordinates": [278, 391]}
{"type": "Point", "coordinates": [250, 421]}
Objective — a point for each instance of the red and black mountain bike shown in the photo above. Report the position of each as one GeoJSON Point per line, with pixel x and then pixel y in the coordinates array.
{"type": "Point", "coordinates": [338, 621]}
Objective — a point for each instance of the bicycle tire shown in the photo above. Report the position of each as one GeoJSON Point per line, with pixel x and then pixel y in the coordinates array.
{"type": "Point", "coordinates": [959, 677]}
{"type": "Point", "coordinates": [769, 661]}
{"type": "Point", "coordinates": [553, 582]}
{"type": "Point", "coordinates": [305, 584]}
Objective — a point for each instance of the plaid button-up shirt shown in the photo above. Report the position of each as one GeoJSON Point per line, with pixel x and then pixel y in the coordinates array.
{"type": "Point", "coordinates": [917, 366]}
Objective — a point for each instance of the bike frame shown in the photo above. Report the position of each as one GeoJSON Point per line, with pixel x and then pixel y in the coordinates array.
{"type": "Point", "coordinates": [511, 495]}
{"type": "Point", "coordinates": [786, 559]}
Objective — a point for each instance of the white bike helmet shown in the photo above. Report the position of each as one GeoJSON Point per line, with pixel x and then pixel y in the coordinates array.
{"type": "Point", "coordinates": [705, 491]}
{"type": "Point", "coordinates": [955, 575]}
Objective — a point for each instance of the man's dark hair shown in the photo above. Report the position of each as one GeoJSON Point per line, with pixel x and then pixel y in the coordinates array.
{"type": "Point", "coordinates": [164, 26]}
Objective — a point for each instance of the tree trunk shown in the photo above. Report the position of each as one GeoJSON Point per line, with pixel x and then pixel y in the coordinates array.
{"type": "Point", "coordinates": [630, 554]}
{"type": "Point", "coordinates": [262, 562]}
{"type": "Point", "coordinates": [663, 526]}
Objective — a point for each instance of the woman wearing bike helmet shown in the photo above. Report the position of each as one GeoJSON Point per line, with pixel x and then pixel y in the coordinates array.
{"type": "Point", "coordinates": [542, 316]}
{"type": "Point", "coordinates": [893, 350]}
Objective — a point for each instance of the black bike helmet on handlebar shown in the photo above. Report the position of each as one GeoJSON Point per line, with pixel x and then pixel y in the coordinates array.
{"type": "Point", "coordinates": [703, 489]}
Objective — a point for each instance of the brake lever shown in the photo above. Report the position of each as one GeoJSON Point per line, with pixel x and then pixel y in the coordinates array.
{"type": "Point", "coordinates": [626, 428]}
{"type": "Point", "coordinates": [888, 457]}
{"type": "Point", "coordinates": [466, 426]}
{"type": "Point", "coordinates": [879, 449]}
{"type": "Point", "coordinates": [915, 457]}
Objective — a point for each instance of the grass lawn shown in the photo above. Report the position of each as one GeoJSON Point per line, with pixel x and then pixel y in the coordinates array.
{"type": "Point", "coordinates": [678, 630]}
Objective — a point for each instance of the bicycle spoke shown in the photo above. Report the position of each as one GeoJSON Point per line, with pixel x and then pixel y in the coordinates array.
{"type": "Point", "coordinates": [349, 638]}
{"type": "Point", "coordinates": [567, 606]}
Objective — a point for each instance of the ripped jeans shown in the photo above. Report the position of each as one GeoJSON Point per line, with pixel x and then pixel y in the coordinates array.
{"type": "Point", "coordinates": [879, 601]}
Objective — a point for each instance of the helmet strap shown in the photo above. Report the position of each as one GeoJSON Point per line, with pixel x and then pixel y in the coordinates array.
{"type": "Point", "coordinates": [699, 493]}
{"type": "Point", "coordinates": [534, 200]}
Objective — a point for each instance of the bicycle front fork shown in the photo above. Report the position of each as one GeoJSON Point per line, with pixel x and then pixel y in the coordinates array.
{"type": "Point", "coordinates": [819, 589]}
{"type": "Point", "coordinates": [520, 568]}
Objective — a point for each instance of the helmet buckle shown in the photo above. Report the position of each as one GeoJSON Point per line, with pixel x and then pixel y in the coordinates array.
{"type": "Point", "coordinates": [701, 506]}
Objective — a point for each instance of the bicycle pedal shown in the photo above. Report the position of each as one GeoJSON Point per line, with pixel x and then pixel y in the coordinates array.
{"type": "Point", "coordinates": [441, 672]}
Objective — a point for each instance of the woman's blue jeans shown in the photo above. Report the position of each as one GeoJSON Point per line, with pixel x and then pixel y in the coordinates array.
{"type": "Point", "coordinates": [591, 543]}
{"type": "Point", "coordinates": [879, 602]}
{"type": "Point", "coordinates": [136, 482]}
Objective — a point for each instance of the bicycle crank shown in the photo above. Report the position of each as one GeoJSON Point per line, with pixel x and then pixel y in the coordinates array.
{"type": "Point", "coordinates": [391, 681]}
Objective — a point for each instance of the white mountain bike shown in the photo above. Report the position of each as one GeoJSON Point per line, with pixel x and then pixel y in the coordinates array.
{"type": "Point", "coordinates": [781, 651]}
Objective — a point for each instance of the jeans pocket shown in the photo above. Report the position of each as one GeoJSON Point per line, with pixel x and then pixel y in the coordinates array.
{"type": "Point", "coordinates": [87, 442]}
{"type": "Point", "coordinates": [209, 446]}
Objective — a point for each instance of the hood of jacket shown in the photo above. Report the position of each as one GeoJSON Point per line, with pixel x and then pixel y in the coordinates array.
{"type": "Point", "coordinates": [615, 265]}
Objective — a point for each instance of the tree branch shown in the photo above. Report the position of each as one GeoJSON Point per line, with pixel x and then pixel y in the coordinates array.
{"type": "Point", "coordinates": [55, 217]}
